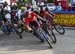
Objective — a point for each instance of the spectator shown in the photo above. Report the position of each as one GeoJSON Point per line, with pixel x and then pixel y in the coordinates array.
{"type": "Point", "coordinates": [19, 13]}
{"type": "Point", "coordinates": [5, 4]}
{"type": "Point", "coordinates": [14, 6]}
{"type": "Point", "coordinates": [7, 7]}
{"type": "Point", "coordinates": [1, 13]}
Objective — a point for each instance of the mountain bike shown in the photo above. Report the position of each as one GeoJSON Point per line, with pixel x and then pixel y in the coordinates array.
{"type": "Point", "coordinates": [41, 34]}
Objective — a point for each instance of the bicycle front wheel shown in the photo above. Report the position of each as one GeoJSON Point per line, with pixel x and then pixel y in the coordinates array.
{"type": "Point", "coordinates": [46, 37]}
{"type": "Point", "coordinates": [59, 29]}
{"type": "Point", "coordinates": [50, 34]}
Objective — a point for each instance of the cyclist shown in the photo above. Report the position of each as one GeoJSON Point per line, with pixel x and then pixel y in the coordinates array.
{"type": "Point", "coordinates": [45, 12]}
{"type": "Point", "coordinates": [32, 18]}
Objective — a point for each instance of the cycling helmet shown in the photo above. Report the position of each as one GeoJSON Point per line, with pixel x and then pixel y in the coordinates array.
{"type": "Point", "coordinates": [46, 9]}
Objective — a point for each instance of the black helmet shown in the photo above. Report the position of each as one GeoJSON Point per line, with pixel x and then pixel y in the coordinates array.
{"type": "Point", "coordinates": [46, 9]}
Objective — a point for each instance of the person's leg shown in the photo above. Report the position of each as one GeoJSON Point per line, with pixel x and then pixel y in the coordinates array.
{"type": "Point", "coordinates": [36, 24]}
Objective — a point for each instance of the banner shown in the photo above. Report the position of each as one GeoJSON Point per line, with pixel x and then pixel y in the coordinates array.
{"type": "Point", "coordinates": [65, 19]}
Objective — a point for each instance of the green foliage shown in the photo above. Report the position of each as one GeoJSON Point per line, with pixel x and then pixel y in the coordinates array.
{"type": "Point", "coordinates": [26, 1]}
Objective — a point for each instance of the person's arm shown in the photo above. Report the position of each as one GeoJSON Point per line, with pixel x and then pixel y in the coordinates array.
{"type": "Point", "coordinates": [49, 15]}
{"type": "Point", "coordinates": [52, 14]}
{"type": "Point", "coordinates": [40, 18]}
